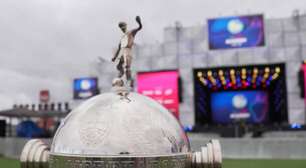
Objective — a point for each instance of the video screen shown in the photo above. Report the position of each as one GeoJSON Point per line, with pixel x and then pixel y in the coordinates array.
{"type": "Point", "coordinates": [162, 86]}
{"type": "Point", "coordinates": [236, 32]}
{"type": "Point", "coordinates": [84, 88]}
{"type": "Point", "coordinates": [230, 106]}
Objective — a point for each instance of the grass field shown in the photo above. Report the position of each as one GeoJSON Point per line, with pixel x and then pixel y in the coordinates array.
{"type": "Point", "coordinates": [9, 163]}
{"type": "Point", "coordinates": [264, 164]}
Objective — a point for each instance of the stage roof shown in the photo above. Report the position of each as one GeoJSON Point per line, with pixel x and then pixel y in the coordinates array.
{"type": "Point", "coordinates": [24, 113]}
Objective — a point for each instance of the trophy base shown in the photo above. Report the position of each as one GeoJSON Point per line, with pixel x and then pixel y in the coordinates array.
{"type": "Point", "coordinates": [120, 161]}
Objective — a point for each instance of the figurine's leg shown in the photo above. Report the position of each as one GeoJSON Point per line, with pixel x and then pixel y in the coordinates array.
{"type": "Point", "coordinates": [120, 67]}
{"type": "Point", "coordinates": [128, 68]}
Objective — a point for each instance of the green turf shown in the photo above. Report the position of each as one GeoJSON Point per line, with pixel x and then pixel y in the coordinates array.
{"type": "Point", "coordinates": [228, 163]}
{"type": "Point", "coordinates": [9, 163]}
{"type": "Point", "coordinates": [264, 163]}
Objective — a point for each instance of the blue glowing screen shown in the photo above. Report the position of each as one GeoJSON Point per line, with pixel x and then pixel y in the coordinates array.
{"type": "Point", "coordinates": [230, 106]}
{"type": "Point", "coordinates": [85, 84]}
{"type": "Point", "coordinates": [84, 88]}
{"type": "Point", "coordinates": [236, 32]}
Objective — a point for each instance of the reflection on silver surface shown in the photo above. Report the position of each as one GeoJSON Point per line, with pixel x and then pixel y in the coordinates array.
{"type": "Point", "coordinates": [110, 125]}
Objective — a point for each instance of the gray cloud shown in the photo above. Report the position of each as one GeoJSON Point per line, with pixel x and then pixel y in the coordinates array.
{"type": "Point", "coordinates": [45, 41]}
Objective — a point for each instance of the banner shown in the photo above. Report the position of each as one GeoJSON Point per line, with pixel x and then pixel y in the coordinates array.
{"type": "Point", "coordinates": [162, 87]}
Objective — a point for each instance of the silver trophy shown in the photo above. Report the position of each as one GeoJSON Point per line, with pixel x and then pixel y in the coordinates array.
{"type": "Point", "coordinates": [109, 131]}
{"type": "Point", "coordinates": [120, 129]}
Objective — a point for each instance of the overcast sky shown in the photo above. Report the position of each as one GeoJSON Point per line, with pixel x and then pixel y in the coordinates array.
{"type": "Point", "coordinates": [46, 43]}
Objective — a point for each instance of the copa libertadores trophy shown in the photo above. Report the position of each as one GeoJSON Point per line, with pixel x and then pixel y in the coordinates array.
{"type": "Point", "coordinates": [120, 129]}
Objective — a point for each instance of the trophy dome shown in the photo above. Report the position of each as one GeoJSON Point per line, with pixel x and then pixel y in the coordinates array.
{"type": "Point", "coordinates": [109, 124]}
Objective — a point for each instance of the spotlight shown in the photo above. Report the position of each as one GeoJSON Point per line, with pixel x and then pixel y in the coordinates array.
{"type": "Point", "coordinates": [232, 72]}
{"type": "Point", "coordinates": [255, 71]}
{"type": "Point", "coordinates": [220, 73]}
{"type": "Point", "coordinates": [275, 76]}
{"type": "Point", "coordinates": [266, 76]}
{"type": "Point", "coordinates": [204, 81]}
{"type": "Point", "coordinates": [267, 70]}
{"type": "Point", "coordinates": [200, 74]}
{"type": "Point", "coordinates": [211, 78]}
{"type": "Point", "coordinates": [209, 73]}
{"type": "Point", "coordinates": [277, 69]}
{"type": "Point", "coordinates": [243, 71]}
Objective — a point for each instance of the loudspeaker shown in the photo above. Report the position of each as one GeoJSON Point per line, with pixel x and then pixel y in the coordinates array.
{"type": "Point", "coordinates": [301, 82]}
{"type": "Point", "coordinates": [2, 128]}
{"type": "Point", "coordinates": [180, 89]}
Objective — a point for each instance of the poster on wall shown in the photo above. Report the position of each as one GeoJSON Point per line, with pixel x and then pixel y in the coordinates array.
{"type": "Point", "coordinates": [236, 32]}
{"type": "Point", "coordinates": [162, 86]}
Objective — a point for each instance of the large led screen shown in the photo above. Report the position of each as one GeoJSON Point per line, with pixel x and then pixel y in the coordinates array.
{"type": "Point", "coordinates": [84, 88]}
{"type": "Point", "coordinates": [236, 32]}
{"type": "Point", "coordinates": [230, 106]}
{"type": "Point", "coordinates": [162, 86]}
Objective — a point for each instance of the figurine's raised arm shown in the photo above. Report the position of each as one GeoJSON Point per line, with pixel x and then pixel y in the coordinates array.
{"type": "Point", "coordinates": [138, 20]}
